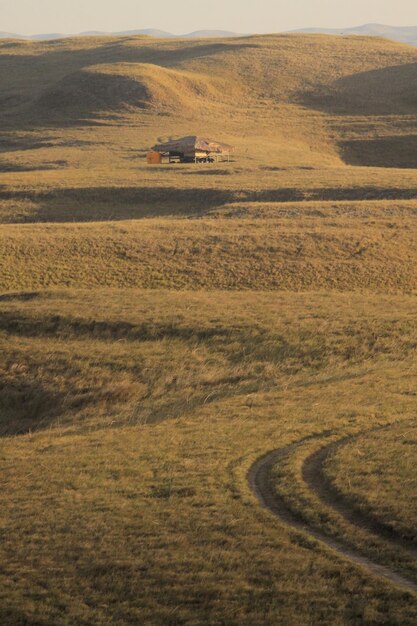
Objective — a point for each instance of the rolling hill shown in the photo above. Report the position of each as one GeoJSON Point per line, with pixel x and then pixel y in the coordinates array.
{"type": "Point", "coordinates": [295, 105]}
{"type": "Point", "coordinates": [182, 343]}
{"type": "Point", "coordinates": [402, 34]}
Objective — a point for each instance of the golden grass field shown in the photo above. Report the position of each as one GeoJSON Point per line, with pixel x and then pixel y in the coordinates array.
{"type": "Point", "coordinates": [378, 464]}
{"type": "Point", "coordinates": [164, 327]}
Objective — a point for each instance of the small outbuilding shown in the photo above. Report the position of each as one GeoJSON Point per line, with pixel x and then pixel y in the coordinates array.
{"type": "Point", "coordinates": [154, 158]}
{"type": "Point", "coordinates": [191, 149]}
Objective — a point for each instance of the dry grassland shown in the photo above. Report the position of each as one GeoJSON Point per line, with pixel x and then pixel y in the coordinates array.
{"type": "Point", "coordinates": [377, 465]}
{"type": "Point", "coordinates": [161, 328]}
{"type": "Point", "coordinates": [131, 502]}
{"type": "Point", "coordinates": [341, 246]}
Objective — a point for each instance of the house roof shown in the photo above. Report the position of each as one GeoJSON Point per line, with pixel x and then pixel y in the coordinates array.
{"type": "Point", "coordinates": [193, 143]}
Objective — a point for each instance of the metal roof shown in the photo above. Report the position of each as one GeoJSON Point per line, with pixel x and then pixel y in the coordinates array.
{"type": "Point", "coordinates": [193, 143]}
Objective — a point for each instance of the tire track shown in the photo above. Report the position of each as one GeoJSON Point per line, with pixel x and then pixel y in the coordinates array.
{"type": "Point", "coordinates": [260, 483]}
{"type": "Point", "coordinates": [314, 476]}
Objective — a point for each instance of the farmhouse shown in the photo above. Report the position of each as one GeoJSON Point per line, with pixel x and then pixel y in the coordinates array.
{"type": "Point", "coordinates": [191, 149]}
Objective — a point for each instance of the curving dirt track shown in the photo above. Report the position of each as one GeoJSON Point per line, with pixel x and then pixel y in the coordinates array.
{"type": "Point", "coordinates": [314, 476]}
{"type": "Point", "coordinates": [259, 481]}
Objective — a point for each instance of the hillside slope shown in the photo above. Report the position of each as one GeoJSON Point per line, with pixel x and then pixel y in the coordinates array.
{"type": "Point", "coordinates": [306, 88]}
{"type": "Point", "coordinates": [163, 327]}
{"type": "Point", "coordinates": [315, 119]}
{"type": "Point", "coordinates": [402, 34]}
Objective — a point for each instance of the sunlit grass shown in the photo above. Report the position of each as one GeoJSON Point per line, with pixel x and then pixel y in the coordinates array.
{"type": "Point", "coordinates": [163, 327]}
{"type": "Point", "coordinates": [376, 473]}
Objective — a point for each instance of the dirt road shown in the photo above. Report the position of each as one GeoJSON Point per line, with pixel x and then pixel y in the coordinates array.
{"type": "Point", "coordinates": [259, 480]}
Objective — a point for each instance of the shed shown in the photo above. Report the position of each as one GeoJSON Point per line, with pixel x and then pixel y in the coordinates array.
{"type": "Point", "coordinates": [154, 158]}
{"type": "Point", "coordinates": [194, 149]}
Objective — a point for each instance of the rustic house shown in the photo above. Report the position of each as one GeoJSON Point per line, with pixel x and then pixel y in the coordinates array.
{"type": "Point", "coordinates": [191, 149]}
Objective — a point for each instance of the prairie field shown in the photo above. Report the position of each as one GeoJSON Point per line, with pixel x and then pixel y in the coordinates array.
{"type": "Point", "coordinates": [208, 371]}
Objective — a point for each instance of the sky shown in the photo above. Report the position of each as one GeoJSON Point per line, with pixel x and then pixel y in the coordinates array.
{"type": "Point", "coordinates": [182, 16]}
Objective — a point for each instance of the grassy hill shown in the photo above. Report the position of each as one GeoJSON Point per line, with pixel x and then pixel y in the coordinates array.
{"type": "Point", "coordinates": [403, 34]}
{"type": "Point", "coordinates": [128, 499]}
{"type": "Point", "coordinates": [261, 72]}
{"type": "Point", "coordinates": [163, 327]}
{"type": "Point", "coordinates": [256, 246]}
{"type": "Point", "coordinates": [78, 116]}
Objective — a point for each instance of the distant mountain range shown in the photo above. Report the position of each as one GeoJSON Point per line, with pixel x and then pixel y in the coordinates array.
{"type": "Point", "coordinates": [152, 32]}
{"type": "Point", "coordinates": [403, 34]}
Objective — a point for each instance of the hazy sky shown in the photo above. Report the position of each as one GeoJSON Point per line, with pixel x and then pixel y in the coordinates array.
{"type": "Point", "coordinates": [181, 16]}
